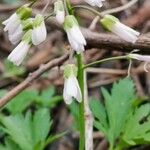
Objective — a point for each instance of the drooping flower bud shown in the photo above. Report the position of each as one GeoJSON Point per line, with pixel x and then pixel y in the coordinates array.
{"type": "Point", "coordinates": [145, 58]}
{"type": "Point", "coordinates": [14, 24]}
{"type": "Point", "coordinates": [114, 25]}
{"type": "Point", "coordinates": [75, 37]}
{"type": "Point", "coordinates": [95, 2]}
{"type": "Point", "coordinates": [59, 11]}
{"type": "Point", "coordinates": [71, 85]}
{"type": "Point", "coordinates": [39, 32]}
{"type": "Point", "coordinates": [20, 52]}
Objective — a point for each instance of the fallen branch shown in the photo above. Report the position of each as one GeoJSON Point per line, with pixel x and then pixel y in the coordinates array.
{"type": "Point", "coordinates": [112, 42]}
{"type": "Point", "coordinates": [32, 76]}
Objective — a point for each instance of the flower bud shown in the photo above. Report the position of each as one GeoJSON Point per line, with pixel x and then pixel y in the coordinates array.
{"type": "Point", "coordinates": [59, 11]}
{"type": "Point", "coordinates": [39, 32]}
{"type": "Point", "coordinates": [71, 85]}
{"type": "Point", "coordinates": [75, 37]}
{"type": "Point", "coordinates": [14, 24]}
{"type": "Point", "coordinates": [114, 25]}
{"type": "Point", "coordinates": [20, 52]}
{"type": "Point", "coordinates": [145, 58]}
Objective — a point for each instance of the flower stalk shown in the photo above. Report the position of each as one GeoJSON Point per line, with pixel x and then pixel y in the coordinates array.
{"type": "Point", "coordinates": [105, 60]}
{"type": "Point", "coordinates": [81, 105]}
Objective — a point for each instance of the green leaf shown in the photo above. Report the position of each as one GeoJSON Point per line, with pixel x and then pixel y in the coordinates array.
{"type": "Point", "coordinates": [47, 98]}
{"type": "Point", "coordinates": [74, 108]}
{"type": "Point", "coordinates": [100, 114]}
{"type": "Point", "coordinates": [53, 138]}
{"type": "Point", "coordinates": [19, 131]}
{"type": "Point", "coordinates": [12, 70]}
{"type": "Point", "coordinates": [137, 129]}
{"type": "Point", "coordinates": [28, 131]}
{"type": "Point", "coordinates": [118, 105]}
{"type": "Point", "coordinates": [111, 119]}
{"type": "Point", "coordinates": [22, 101]}
{"type": "Point", "coordinates": [9, 145]}
{"type": "Point", "coordinates": [41, 125]}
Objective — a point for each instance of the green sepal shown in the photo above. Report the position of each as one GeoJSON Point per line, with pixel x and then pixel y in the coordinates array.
{"type": "Point", "coordinates": [108, 21]}
{"type": "Point", "coordinates": [24, 12]}
{"type": "Point", "coordinates": [27, 37]}
{"type": "Point", "coordinates": [58, 6]}
{"type": "Point", "coordinates": [27, 24]}
{"type": "Point", "coordinates": [38, 20]}
{"type": "Point", "coordinates": [70, 21]}
{"type": "Point", "coordinates": [70, 70]}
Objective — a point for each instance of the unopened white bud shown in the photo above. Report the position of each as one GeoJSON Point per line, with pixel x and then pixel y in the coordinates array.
{"type": "Point", "coordinates": [114, 25]}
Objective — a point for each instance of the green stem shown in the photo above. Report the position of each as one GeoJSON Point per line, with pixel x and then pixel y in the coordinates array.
{"type": "Point", "coordinates": [106, 59]}
{"type": "Point", "coordinates": [81, 105]}
{"type": "Point", "coordinates": [88, 8]}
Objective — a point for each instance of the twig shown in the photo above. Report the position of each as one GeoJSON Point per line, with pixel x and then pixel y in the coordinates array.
{"type": "Point", "coordinates": [32, 76]}
{"type": "Point", "coordinates": [118, 9]}
{"type": "Point", "coordinates": [113, 42]}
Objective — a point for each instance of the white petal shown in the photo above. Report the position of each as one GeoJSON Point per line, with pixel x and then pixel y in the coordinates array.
{"type": "Point", "coordinates": [145, 58]}
{"type": "Point", "coordinates": [77, 35]}
{"type": "Point", "coordinates": [76, 39]}
{"type": "Point", "coordinates": [95, 2]}
{"type": "Point", "coordinates": [128, 29]}
{"type": "Point", "coordinates": [79, 95]}
{"type": "Point", "coordinates": [67, 98]}
{"type": "Point", "coordinates": [125, 32]}
{"type": "Point", "coordinates": [71, 90]}
{"type": "Point", "coordinates": [17, 36]}
{"type": "Point", "coordinates": [39, 34]}
{"type": "Point", "coordinates": [10, 19]}
{"type": "Point", "coordinates": [60, 17]}
{"type": "Point", "coordinates": [19, 53]}
{"type": "Point", "coordinates": [72, 42]}
{"type": "Point", "coordinates": [12, 24]}
{"type": "Point", "coordinates": [71, 87]}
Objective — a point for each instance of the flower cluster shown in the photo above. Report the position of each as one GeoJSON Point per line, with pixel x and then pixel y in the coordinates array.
{"type": "Point", "coordinates": [21, 28]}
{"type": "Point", "coordinates": [29, 31]}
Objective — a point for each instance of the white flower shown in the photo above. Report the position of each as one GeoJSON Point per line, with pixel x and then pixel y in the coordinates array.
{"type": "Point", "coordinates": [71, 86]}
{"type": "Point", "coordinates": [123, 31]}
{"type": "Point", "coordinates": [145, 58]}
{"type": "Point", "coordinates": [14, 24]}
{"type": "Point", "coordinates": [19, 53]}
{"type": "Point", "coordinates": [60, 16]}
{"type": "Point", "coordinates": [75, 37]}
{"type": "Point", "coordinates": [16, 36]}
{"type": "Point", "coordinates": [59, 11]}
{"type": "Point", "coordinates": [95, 2]}
{"type": "Point", "coordinates": [39, 32]}
{"type": "Point", "coordinates": [71, 90]}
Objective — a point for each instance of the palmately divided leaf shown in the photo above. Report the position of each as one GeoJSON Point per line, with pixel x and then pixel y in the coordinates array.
{"type": "Point", "coordinates": [118, 105]}
{"type": "Point", "coordinates": [28, 131]}
{"type": "Point", "coordinates": [111, 119]}
{"type": "Point", "coordinates": [137, 129]}
{"type": "Point", "coordinates": [100, 114]}
{"type": "Point", "coordinates": [18, 131]}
